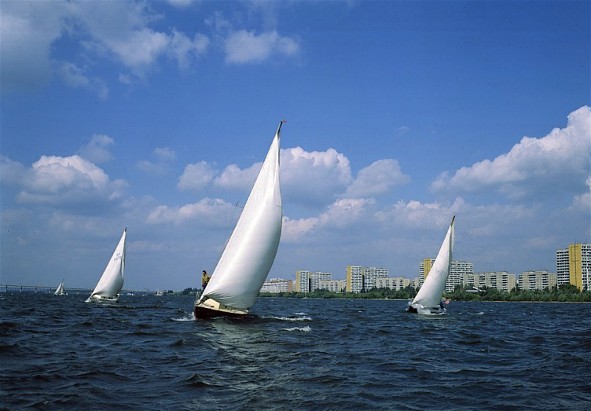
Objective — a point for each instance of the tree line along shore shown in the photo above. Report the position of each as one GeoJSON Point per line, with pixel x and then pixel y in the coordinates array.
{"type": "Point", "coordinates": [563, 293]}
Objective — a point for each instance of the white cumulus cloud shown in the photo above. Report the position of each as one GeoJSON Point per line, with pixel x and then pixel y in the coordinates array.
{"type": "Point", "coordinates": [207, 211]}
{"type": "Point", "coordinates": [556, 162]}
{"type": "Point", "coordinates": [118, 30]}
{"type": "Point", "coordinates": [196, 176]}
{"type": "Point", "coordinates": [246, 47]}
{"type": "Point", "coordinates": [314, 177]}
{"type": "Point", "coordinates": [68, 182]}
{"type": "Point", "coordinates": [97, 149]}
{"type": "Point", "coordinates": [377, 178]}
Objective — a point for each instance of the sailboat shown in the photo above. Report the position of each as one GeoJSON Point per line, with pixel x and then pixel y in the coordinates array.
{"type": "Point", "coordinates": [251, 249]}
{"type": "Point", "coordinates": [60, 290]}
{"type": "Point", "coordinates": [428, 299]}
{"type": "Point", "coordinates": [111, 282]}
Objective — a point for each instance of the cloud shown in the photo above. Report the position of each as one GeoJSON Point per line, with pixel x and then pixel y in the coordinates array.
{"type": "Point", "coordinates": [75, 77]}
{"type": "Point", "coordinates": [11, 172]}
{"type": "Point", "coordinates": [207, 211]}
{"type": "Point", "coordinates": [343, 213]}
{"type": "Point", "coordinates": [68, 182]}
{"type": "Point", "coordinates": [246, 47]}
{"type": "Point", "coordinates": [582, 201]}
{"type": "Point", "coordinates": [183, 49]}
{"type": "Point", "coordinates": [118, 30]}
{"type": "Point", "coordinates": [181, 3]}
{"type": "Point", "coordinates": [97, 149]}
{"type": "Point", "coordinates": [415, 214]}
{"type": "Point", "coordinates": [234, 178]}
{"type": "Point", "coordinates": [27, 35]}
{"type": "Point", "coordinates": [377, 178]}
{"type": "Point", "coordinates": [196, 176]}
{"type": "Point", "coordinates": [164, 156]}
{"type": "Point", "coordinates": [314, 177]}
{"type": "Point", "coordinates": [541, 166]}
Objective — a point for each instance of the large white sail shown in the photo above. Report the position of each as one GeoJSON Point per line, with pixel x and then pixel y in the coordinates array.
{"type": "Point", "coordinates": [111, 282]}
{"type": "Point", "coordinates": [251, 249]}
{"type": "Point", "coordinates": [60, 290]}
{"type": "Point", "coordinates": [430, 293]}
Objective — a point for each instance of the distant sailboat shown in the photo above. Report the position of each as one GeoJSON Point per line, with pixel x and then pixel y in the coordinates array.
{"type": "Point", "coordinates": [428, 299]}
{"type": "Point", "coordinates": [251, 249]}
{"type": "Point", "coordinates": [60, 290]}
{"type": "Point", "coordinates": [111, 282]}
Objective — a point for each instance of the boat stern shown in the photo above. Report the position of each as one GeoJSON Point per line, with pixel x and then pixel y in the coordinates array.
{"type": "Point", "coordinates": [211, 308]}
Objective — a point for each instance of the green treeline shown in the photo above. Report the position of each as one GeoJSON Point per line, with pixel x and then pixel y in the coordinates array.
{"type": "Point", "coordinates": [564, 293]}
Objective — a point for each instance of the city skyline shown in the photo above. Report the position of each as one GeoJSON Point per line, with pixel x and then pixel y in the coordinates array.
{"type": "Point", "coordinates": [155, 115]}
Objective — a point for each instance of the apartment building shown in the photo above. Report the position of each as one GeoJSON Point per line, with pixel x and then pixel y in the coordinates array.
{"type": "Point", "coordinates": [458, 270]}
{"type": "Point", "coordinates": [277, 285]}
{"type": "Point", "coordinates": [361, 278]}
{"type": "Point", "coordinates": [537, 280]}
{"type": "Point", "coordinates": [573, 265]}
{"type": "Point", "coordinates": [393, 283]}
{"type": "Point", "coordinates": [501, 280]}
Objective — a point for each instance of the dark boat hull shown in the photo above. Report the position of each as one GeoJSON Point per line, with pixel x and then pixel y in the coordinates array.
{"type": "Point", "coordinates": [204, 313]}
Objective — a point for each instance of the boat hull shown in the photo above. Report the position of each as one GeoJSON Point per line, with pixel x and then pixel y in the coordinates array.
{"type": "Point", "coordinates": [212, 309]}
{"type": "Point", "coordinates": [419, 309]}
{"type": "Point", "coordinates": [100, 299]}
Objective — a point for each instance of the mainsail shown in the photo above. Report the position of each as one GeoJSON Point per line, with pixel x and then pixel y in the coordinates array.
{"type": "Point", "coordinates": [60, 290]}
{"type": "Point", "coordinates": [111, 282]}
{"type": "Point", "coordinates": [430, 293]}
{"type": "Point", "coordinates": [251, 249]}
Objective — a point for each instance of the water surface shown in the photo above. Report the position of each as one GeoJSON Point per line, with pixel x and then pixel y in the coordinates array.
{"type": "Point", "coordinates": [148, 353]}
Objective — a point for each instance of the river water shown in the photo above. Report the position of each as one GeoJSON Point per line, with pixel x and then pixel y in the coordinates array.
{"type": "Point", "coordinates": [148, 353]}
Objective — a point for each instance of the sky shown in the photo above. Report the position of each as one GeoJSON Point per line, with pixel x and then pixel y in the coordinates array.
{"type": "Point", "coordinates": [156, 115]}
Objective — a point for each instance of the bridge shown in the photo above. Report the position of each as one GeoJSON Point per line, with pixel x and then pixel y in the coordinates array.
{"type": "Point", "coordinates": [12, 288]}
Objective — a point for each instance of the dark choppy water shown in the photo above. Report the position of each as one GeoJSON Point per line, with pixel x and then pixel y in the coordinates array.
{"type": "Point", "coordinates": [147, 354]}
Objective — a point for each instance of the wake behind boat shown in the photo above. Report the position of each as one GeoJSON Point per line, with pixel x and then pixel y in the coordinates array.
{"type": "Point", "coordinates": [251, 249]}
{"type": "Point", "coordinates": [111, 282]}
{"type": "Point", "coordinates": [428, 299]}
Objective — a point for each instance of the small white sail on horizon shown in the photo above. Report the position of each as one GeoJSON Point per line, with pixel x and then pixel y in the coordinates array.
{"type": "Point", "coordinates": [251, 249]}
{"type": "Point", "coordinates": [60, 290]}
{"type": "Point", "coordinates": [111, 282]}
{"type": "Point", "coordinates": [428, 299]}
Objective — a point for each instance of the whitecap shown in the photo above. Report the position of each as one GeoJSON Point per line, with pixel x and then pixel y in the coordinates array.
{"type": "Point", "coordinates": [305, 318]}
{"type": "Point", "coordinates": [305, 329]}
{"type": "Point", "coordinates": [190, 317]}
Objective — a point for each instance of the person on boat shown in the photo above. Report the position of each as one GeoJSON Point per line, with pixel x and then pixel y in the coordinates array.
{"type": "Point", "coordinates": [204, 279]}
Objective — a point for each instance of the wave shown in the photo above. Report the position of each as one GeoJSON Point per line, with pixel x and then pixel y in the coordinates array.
{"type": "Point", "coordinates": [305, 329]}
{"type": "Point", "coordinates": [188, 317]}
{"type": "Point", "coordinates": [304, 318]}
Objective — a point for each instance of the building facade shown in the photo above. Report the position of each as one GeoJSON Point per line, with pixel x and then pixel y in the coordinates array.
{"type": "Point", "coordinates": [277, 285]}
{"type": "Point", "coordinates": [501, 280]}
{"type": "Point", "coordinates": [302, 282]}
{"type": "Point", "coordinates": [335, 286]}
{"type": "Point", "coordinates": [307, 281]}
{"type": "Point", "coordinates": [573, 265]}
{"type": "Point", "coordinates": [537, 280]}
{"type": "Point", "coordinates": [457, 272]}
{"type": "Point", "coordinates": [361, 278]}
{"type": "Point", "coordinates": [393, 283]}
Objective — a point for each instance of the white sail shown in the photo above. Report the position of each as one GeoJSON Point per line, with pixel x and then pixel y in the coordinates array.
{"type": "Point", "coordinates": [429, 295]}
{"type": "Point", "coordinates": [111, 282]}
{"type": "Point", "coordinates": [60, 290]}
{"type": "Point", "coordinates": [251, 249]}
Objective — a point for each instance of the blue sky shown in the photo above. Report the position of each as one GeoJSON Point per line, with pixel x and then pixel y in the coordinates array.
{"type": "Point", "coordinates": [156, 115]}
